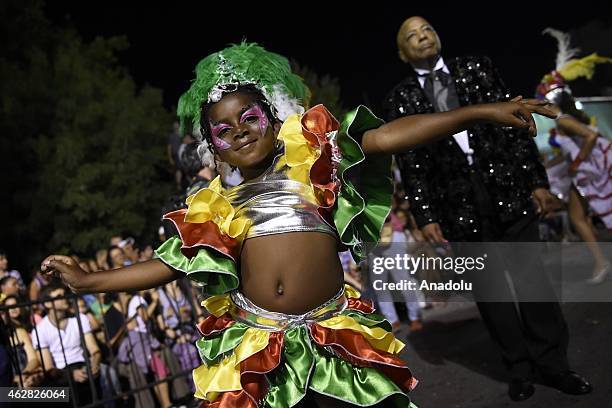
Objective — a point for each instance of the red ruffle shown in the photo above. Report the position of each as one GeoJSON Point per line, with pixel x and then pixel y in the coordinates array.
{"type": "Point", "coordinates": [252, 377]}
{"type": "Point", "coordinates": [231, 399]}
{"type": "Point", "coordinates": [213, 325]}
{"type": "Point", "coordinates": [355, 349]}
{"type": "Point", "coordinates": [253, 370]}
{"type": "Point", "coordinates": [361, 304]}
{"type": "Point", "coordinates": [195, 235]}
{"type": "Point", "coordinates": [317, 122]}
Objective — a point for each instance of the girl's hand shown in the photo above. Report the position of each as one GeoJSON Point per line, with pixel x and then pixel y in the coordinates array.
{"type": "Point", "coordinates": [545, 202]}
{"type": "Point", "coordinates": [67, 269]}
{"type": "Point", "coordinates": [517, 113]}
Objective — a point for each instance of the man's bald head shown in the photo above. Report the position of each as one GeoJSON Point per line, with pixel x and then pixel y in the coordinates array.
{"type": "Point", "coordinates": [417, 42]}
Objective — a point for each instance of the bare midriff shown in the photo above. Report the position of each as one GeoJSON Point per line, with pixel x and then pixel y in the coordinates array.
{"type": "Point", "coordinates": [291, 272]}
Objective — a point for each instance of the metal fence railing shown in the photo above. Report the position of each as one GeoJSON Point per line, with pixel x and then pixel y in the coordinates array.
{"type": "Point", "coordinates": [110, 350]}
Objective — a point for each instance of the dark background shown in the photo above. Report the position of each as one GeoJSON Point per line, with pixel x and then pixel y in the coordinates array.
{"type": "Point", "coordinates": [354, 42]}
{"type": "Point", "coordinates": [82, 143]}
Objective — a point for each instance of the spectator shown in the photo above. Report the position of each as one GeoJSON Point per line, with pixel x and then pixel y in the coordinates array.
{"type": "Point", "coordinates": [187, 140]}
{"type": "Point", "coordinates": [351, 270]}
{"type": "Point", "coordinates": [4, 271]}
{"type": "Point", "coordinates": [101, 260]}
{"type": "Point", "coordinates": [39, 281]}
{"type": "Point", "coordinates": [6, 370]}
{"type": "Point", "coordinates": [396, 243]}
{"type": "Point", "coordinates": [161, 234]}
{"type": "Point", "coordinates": [28, 373]}
{"type": "Point", "coordinates": [58, 337]}
{"type": "Point", "coordinates": [93, 265]}
{"type": "Point", "coordinates": [174, 318]}
{"type": "Point", "coordinates": [198, 176]}
{"type": "Point", "coordinates": [108, 309]}
{"type": "Point", "coordinates": [116, 257]}
{"type": "Point", "coordinates": [197, 172]}
{"type": "Point", "coordinates": [130, 252]}
{"type": "Point", "coordinates": [145, 253]}
{"type": "Point", "coordinates": [85, 266]}
{"type": "Point", "coordinates": [142, 348]}
{"type": "Point", "coordinates": [84, 310]}
{"type": "Point", "coordinates": [8, 287]}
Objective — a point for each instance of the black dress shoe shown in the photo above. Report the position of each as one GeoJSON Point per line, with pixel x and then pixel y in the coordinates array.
{"type": "Point", "coordinates": [568, 382]}
{"type": "Point", "coordinates": [520, 389]}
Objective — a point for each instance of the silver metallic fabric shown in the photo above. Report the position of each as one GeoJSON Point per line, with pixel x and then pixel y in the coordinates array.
{"type": "Point", "coordinates": [243, 310]}
{"type": "Point", "coordinates": [276, 204]}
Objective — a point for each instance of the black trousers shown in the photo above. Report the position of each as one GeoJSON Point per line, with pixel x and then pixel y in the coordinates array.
{"type": "Point", "coordinates": [81, 394]}
{"type": "Point", "coordinates": [531, 335]}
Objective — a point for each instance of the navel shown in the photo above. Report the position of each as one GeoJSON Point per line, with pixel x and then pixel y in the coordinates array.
{"type": "Point", "coordinates": [279, 289]}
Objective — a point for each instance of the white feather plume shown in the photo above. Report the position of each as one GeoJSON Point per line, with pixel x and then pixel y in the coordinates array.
{"type": "Point", "coordinates": [203, 151]}
{"type": "Point", "coordinates": [283, 103]}
{"type": "Point", "coordinates": [565, 53]}
{"type": "Point", "coordinates": [205, 154]}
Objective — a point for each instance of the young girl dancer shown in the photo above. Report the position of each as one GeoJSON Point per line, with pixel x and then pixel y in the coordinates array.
{"type": "Point", "coordinates": [282, 324]}
{"type": "Point", "coordinates": [582, 175]}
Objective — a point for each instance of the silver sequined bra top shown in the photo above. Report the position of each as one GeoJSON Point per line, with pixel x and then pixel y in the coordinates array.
{"type": "Point", "coordinates": [276, 204]}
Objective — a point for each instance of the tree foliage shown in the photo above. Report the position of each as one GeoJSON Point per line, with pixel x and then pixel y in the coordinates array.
{"type": "Point", "coordinates": [83, 147]}
{"type": "Point", "coordinates": [325, 89]}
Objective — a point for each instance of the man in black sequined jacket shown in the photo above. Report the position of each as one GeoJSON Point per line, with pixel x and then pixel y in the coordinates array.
{"type": "Point", "coordinates": [437, 177]}
{"type": "Point", "coordinates": [484, 185]}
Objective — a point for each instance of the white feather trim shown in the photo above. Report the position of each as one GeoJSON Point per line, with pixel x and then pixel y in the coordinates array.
{"type": "Point", "coordinates": [205, 154]}
{"type": "Point", "coordinates": [284, 105]}
{"type": "Point", "coordinates": [564, 53]}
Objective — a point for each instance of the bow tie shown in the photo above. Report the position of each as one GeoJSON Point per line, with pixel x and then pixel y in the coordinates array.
{"type": "Point", "coordinates": [438, 74]}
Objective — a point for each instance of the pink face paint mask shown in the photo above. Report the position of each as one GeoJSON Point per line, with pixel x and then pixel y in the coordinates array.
{"type": "Point", "coordinates": [258, 112]}
{"type": "Point", "coordinates": [254, 111]}
{"type": "Point", "coordinates": [215, 131]}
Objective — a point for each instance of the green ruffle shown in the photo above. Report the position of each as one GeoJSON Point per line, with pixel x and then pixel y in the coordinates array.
{"type": "Point", "coordinates": [361, 209]}
{"type": "Point", "coordinates": [289, 381]}
{"type": "Point", "coordinates": [214, 349]}
{"type": "Point", "coordinates": [306, 366]}
{"type": "Point", "coordinates": [369, 319]}
{"type": "Point", "coordinates": [208, 268]}
{"type": "Point", "coordinates": [362, 386]}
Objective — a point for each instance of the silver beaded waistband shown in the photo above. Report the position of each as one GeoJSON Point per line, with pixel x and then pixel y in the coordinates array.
{"type": "Point", "coordinates": [245, 311]}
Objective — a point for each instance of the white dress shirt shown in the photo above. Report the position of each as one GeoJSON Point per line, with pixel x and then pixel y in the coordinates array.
{"type": "Point", "coordinates": [462, 137]}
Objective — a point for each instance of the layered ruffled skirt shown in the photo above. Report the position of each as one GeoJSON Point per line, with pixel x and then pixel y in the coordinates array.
{"type": "Point", "coordinates": [256, 358]}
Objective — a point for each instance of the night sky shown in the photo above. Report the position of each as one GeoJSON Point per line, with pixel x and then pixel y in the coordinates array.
{"type": "Point", "coordinates": [356, 45]}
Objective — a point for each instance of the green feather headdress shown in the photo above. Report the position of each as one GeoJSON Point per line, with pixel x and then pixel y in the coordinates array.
{"type": "Point", "coordinates": [244, 64]}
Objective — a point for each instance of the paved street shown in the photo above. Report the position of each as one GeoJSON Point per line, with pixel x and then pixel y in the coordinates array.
{"type": "Point", "coordinates": [458, 365]}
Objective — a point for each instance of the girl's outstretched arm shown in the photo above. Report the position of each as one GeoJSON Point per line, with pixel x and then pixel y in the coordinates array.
{"type": "Point", "coordinates": [139, 276]}
{"type": "Point", "coordinates": [571, 126]}
{"type": "Point", "coordinates": [409, 132]}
